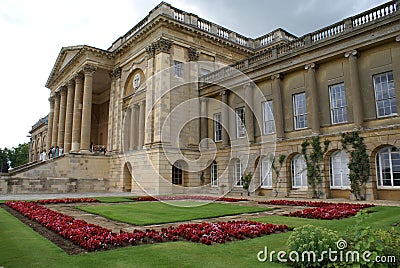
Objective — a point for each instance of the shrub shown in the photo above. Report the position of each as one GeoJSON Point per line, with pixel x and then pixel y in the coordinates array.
{"type": "Point", "coordinates": [309, 238]}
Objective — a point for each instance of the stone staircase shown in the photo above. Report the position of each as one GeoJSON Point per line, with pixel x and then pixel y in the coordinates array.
{"type": "Point", "coordinates": [298, 193]}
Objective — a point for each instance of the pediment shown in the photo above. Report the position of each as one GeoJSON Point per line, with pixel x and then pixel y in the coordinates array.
{"type": "Point", "coordinates": [68, 57]}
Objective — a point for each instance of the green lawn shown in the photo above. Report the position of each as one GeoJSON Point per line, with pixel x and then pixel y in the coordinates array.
{"type": "Point", "coordinates": [114, 199]}
{"type": "Point", "coordinates": [145, 213]}
{"type": "Point", "coordinates": [22, 247]}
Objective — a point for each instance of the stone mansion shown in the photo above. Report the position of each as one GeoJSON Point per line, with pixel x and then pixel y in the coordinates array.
{"type": "Point", "coordinates": [179, 104]}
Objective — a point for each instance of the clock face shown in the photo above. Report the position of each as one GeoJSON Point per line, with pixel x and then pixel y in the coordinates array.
{"type": "Point", "coordinates": [136, 81]}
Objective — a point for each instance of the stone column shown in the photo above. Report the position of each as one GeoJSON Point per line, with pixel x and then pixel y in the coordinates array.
{"type": "Point", "coordinates": [313, 94]}
{"type": "Point", "coordinates": [203, 121]}
{"type": "Point", "coordinates": [50, 124]}
{"type": "Point", "coordinates": [35, 158]}
{"type": "Point", "coordinates": [142, 119]}
{"type": "Point", "coordinates": [77, 117]}
{"type": "Point", "coordinates": [69, 116]}
{"type": "Point", "coordinates": [133, 129]}
{"type": "Point", "coordinates": [61, 119]}
{"type": "Point", "coordinates": [358, 111]}
{"type": "Point", "coordinates": [249, 116]}
{"type": "Point", "coordinates": [110, 136]}
{"type": "Point", "coordinates": [148, 136]}
{"type": "Point", "coordinates": [117, 122]}
{"type": "Point", "coordinates": [86, 125]}
{"type": "Point", "coordinates": [54, 141]}
{"type": "Point", "coordinates": [278, 106]}
{"type": "Point", "coordinates": [225, 118]}
{"type": "Point", "coordinates": [30, 151]}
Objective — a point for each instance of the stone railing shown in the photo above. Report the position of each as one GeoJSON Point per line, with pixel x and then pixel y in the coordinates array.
{"type": "Point", "coordinates": [204, 25]}
{"type": "Point", "coordinates": [327, 33]}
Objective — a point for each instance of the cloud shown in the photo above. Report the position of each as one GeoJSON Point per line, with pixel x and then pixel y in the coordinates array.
{"type": "Point", "coordinates": [33, 33]}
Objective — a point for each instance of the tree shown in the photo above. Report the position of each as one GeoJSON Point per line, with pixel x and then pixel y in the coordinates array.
{"type": "Point", "coordinates": [17, 155]}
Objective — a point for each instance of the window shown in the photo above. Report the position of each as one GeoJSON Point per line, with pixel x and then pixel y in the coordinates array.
{"type": "Point", "coordinates": [268, 117]}
{"type": "Point", "coordinates": [265, 173]}
{"type": "Point", "coordinates": [237, 173]}
{"type": "Point", "coordinates": [136, 81]}
{"type": "Point", "coordinates": [177, 173]}
{"type": "Point", "coordinates": [339, 170]}
{"type": "Point", "coordinates": [240, 122]}
{"type": "Point", "coordinates": [214, 174]}
{"type": "Point", "coordinates": [204, 71]}
{"type": "Point", "coordinates": [299, 172]}
{"type": "Point", "coordinates": [384, 94]}
{"type": "Point", "coordinates": [217, 127]}
{"type": "Point", "coordinates": [388, 167]}
{"type": "Point", "coordinates": [300, 111]}
{"type": "Point", "coordinates": [178, 67]}
{"type": "Point", "coordinates": [338, 104]}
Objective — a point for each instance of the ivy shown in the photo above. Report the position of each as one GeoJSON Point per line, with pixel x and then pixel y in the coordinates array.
{"type": "Point", "coordinates": [358, 163]}
{"type": "Point", "coordinates": [277, 170]}
{"type": "Point", "coordinates": [314, 160]}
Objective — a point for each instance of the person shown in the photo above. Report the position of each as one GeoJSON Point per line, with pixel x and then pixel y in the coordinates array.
{"type": "Point", "coordinates": [91, 146]}
{"type": "Point", "coordinates": [61, 150]}
{"type": "Point", "coordinates": [41, 156]}
{"type": "Point", "coordinates": [57, 151]}
{"type": "Point", "coordinates": [44, 155]}
{"type": "Point", "coordinates": [53, 152]}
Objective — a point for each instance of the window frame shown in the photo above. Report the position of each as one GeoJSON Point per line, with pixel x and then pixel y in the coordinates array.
{"type": "Point", "coordinates": [268, 111]}
{"type": "Point", "coordinates": [293, 172]}
{"type": "Point", "coordinates": [386, 99]}
{"type": "Point", "coordinates": [342, 174]}
{"type": "Point", "coordinates": [240, 122]}
{"type": "Point", "coordinates": [379, 170]}
{"type": "Point", "coordinates": [266, 176]}
{"type": "Point", "coordinates": [217, 127]}
{"type": "Point", "coordinates": [237, 171]}
{"type": "Point", "coordinates": [214, 172]}
{"type": "Point", "coordinates": [178, 69]}
{"type": "Point", "coordinates": [295, 110]}
{"type": "Point", "coordinates": [335, 108]}
{"type": "Point", "coordinates": [177, 169]}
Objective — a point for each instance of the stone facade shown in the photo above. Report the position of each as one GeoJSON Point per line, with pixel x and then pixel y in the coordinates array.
{"type": "Point", "coordinates": [154, 98]}
{"type": "Point", "coordinates": [38, 139]}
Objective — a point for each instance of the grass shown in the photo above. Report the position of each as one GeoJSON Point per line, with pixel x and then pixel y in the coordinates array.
{"type": "Point", "coordinates": [22, 247]}
{"type": "Point", "coordinates": [145, 213]}
{"type": "Point", "coordinates": [114, 199]}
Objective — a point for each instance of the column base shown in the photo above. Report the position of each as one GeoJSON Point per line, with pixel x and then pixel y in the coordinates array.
{"type": "Point", "coordinates": [84, 151]}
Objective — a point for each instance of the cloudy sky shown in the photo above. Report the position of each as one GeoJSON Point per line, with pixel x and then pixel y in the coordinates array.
{"type": "Point", "coordinates": [33, 32]}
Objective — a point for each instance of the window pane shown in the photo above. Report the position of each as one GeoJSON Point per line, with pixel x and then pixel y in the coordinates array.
{"type": "Point", "coordinates": [268, 118]}
{"type": "Point", "coordinates": [384, 94]}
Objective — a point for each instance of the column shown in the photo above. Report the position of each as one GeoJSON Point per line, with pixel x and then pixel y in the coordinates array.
{"type": "Point", "coordinates": [77, 116]}
{"type": "Point", "coordinates": [50, 124]}
{"type": "Point", "coordinates": [203, 121]}
{"type": "Point", "coordinates": [35, 158]}
{"type": "Point", "coordinates": [54, 137]}
{"type": "Point", "coordinates": [249, 116]}
{"type": "Point", "coordinates": [141, 124]}
{"type": "Point", "coordinates": [117, 122]}
{"type": "Point", "coordinates": [225, 118]}
{"type": "Point", "coordinates": [61, 119]}
{"type": "Point", "coordinates": [86, 125]}
{"type": "Point", "coordinates": [278, 106]}
{"type": "Point", "coordinates": [30, 151]}
{"type": "Point", "coordinates": [313, 94]}
{"type": "Point", "coordinates": [355, 89]}
{"type": "Point", "coordinates": [149, 122]}
{"type": "Point", "coordinates": [133, 128]}
{"type": "Point", "coordinates": [110, 136]}
{"type": "Point", "coordinates": [68, 116]}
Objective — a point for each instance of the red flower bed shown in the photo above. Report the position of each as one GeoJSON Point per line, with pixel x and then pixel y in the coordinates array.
{"type": "Point", "coordinates": [188, 197]}
{"type": "Point", "coordinates": [93, 237]}
{"type": "Point", "coordinates": [67, 200]}
{"type": "Point", "coordinates": [208, 233]}
{"type": "Point", "coordinates": [321, 210]}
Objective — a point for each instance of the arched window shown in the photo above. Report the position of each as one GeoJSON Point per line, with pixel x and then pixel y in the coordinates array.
{"type": "Point", "coordinates": [177, 173]}
{"type": "Point", "coordinates": [388, 167]}
{"type": "Point", "coordinates": [339, 170]}
{"type": "Point", "coordinates": [265, 173]}
{"type": "Point", "coordinates": [136, 81]}
{"type": "Point", "coordinates": [299, 172]}
{"type": "Point", "coordinates": [214, 174]}
{"type": "Point", "coordinates": [237, 173]}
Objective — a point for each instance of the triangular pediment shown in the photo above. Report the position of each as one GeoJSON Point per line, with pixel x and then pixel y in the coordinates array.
{"type": "Point", "coordinates": [67, 57]}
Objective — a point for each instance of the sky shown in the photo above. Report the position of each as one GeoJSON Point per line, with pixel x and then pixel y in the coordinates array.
{"type": "Point", "coordinates": [33, 32]}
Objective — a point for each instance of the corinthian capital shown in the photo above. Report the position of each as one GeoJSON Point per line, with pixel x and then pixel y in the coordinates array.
{"type": "Point", "coordinates": [193, 54]}
{"type": "Point", "coordinates": [116, 74]}
{"type": "Point", "coordinates": [162, 45]}
{"type": "Point", "coordinates": [277, 76]}
{"type": "Point", "coordinates": [89, 69]}
{"type": "Point", "coordinates": [310, 66]}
